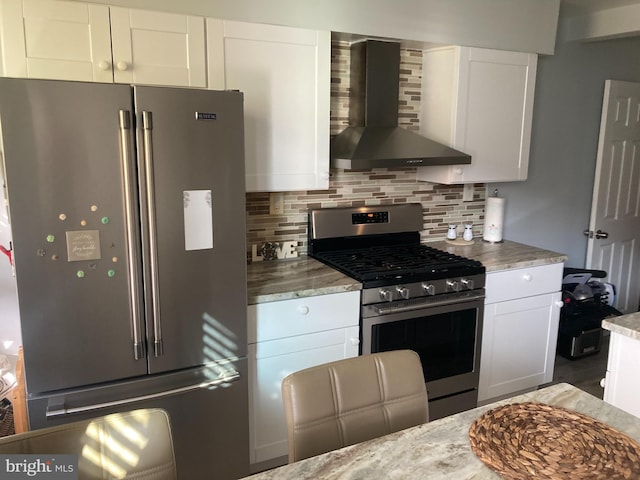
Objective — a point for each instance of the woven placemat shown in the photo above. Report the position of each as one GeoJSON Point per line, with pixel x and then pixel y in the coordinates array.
{"type": "Point", "coordinates": [528, 440]}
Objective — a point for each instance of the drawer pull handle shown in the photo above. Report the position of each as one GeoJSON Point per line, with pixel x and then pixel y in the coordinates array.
{"type": "Point", "coordinates": [527, 277]}
{"type": "Point", "coordinates": [303, 309]}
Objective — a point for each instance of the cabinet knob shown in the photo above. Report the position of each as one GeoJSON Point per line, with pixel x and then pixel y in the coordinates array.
{"type": "Point", "coordinates": [527, 277]}
{"type": "Point", "coordinates": [457, 171]}
{"type": "Point", "coordinates": [104, 65]}
{"type": "Point", "coordinates": [559, 303]}
{"type": "Point", "coordinates": [122, 66]}
{"type": "Point", "coordinates": [303, 309]}
{"type": "Point", "coordinates": [354, 341]}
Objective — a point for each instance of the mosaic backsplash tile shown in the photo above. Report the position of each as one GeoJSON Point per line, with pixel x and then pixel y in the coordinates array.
{"type": "Point", "coordinates": [442, 204]}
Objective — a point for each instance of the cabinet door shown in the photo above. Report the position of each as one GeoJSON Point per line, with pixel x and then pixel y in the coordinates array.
{"type": "Point", "coordinates": [56, 40]}
{"type": "Point", "coordinates": [518, 345]}
{"type": "Point", "coordinates": [154, 48]}
{"type": "Point", "coordinates": [284, 73]}
{"type": "Point", "coordinates": [269, 363]}
{"type": "Point", "coordinates": [622, 384]}
{"type": "Point", "coordinates": [490, 116]}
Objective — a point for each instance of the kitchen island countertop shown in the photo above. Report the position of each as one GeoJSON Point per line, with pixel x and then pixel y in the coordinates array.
{"type": "Point", "coordinates": [627, 325]}
{"type": "Point", "coordinates": [440, 449]}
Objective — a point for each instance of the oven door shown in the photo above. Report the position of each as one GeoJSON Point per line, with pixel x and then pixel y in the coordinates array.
{"type": "Point", "coordinates": [447, 336]}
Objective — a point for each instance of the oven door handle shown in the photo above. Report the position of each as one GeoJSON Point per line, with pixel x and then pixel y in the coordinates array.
{"type": "Point", "coordinates": [408, 306]}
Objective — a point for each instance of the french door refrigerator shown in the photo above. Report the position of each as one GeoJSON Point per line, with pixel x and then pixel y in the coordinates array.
{"type": "Point", "coordinates": [127, 208]}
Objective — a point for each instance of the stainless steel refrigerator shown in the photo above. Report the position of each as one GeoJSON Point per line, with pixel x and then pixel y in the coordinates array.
{"type": "Point", "coordinates": [127, 209]}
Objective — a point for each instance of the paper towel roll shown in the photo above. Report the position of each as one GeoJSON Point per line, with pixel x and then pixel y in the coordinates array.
{"type": "Point", "coordinates": [493, 219]}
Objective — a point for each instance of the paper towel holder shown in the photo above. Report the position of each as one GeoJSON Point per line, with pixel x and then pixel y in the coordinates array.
{"type": "Point", "coordinates": [495, 235]}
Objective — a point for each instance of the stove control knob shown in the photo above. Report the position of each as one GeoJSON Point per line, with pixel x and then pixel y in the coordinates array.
{"type": "Point", "coordinates": [453, 285]}
{"type": "Point", "coordinates": [403, 292]}
{"type": "Point", "coordinates": [385, 294]}
{"type": "Point", "coordinates": [429, 289]}
{"type": "Point", "coordinates": [467, 283]}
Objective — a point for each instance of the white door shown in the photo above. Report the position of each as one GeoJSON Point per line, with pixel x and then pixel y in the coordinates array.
{"type": "Point", "coordinates": [56, 39]}
{"type": "Point", "coordinates": [155, 48]}
{"type": "Point", "coordinates": [614, 226]}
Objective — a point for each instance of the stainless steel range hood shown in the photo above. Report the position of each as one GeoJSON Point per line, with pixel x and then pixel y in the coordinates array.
{"type": "Point", "coordinates": [374, 139]}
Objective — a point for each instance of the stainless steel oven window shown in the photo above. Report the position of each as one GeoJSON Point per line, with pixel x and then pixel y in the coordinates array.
{"type": "Point", "coordinates": [447, 338]}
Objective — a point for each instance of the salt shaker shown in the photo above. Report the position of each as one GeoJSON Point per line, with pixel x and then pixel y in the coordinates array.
{"type": "Point", "coordinates": [452, 232]}
{"type": "Point", "coordinates": [468, 233]}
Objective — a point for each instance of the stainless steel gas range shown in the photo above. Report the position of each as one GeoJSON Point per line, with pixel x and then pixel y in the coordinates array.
{"type": "Point", "coordinates": [414, 296]}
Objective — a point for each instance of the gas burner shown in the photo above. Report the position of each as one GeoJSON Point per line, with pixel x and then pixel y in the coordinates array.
{"type": "Point", "coordinates": [398, 263]}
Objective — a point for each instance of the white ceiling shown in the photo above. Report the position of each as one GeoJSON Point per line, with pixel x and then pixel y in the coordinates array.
{"type": "Point", "coordinates": [577, 7]}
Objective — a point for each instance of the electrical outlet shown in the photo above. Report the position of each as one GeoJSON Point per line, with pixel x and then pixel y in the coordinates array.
{"type": "Point", "coordinates": [276, 203]}
{"type": "Point", "coordinates": [467, 192]}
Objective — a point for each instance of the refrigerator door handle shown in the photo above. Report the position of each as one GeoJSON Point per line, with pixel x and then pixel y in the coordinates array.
{"type": "Point", "coordinates": [147, 145]}
{"type": "Point", "coordinates": [130, 219]}
{"type": "Point", "coordinates": [59, 411]}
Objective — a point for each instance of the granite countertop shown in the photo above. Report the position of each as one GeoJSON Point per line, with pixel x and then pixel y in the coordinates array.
{"type": "Point", "coordinates": [294, 278]}
{"type": "Point", "coordinates": [440, 449]}
{"type": "Point", "coordinates": [275, 280]}
{"type": "Point", "coordinates": [502, 256]}
{"type": "Point", "coordinates": [627, 325]}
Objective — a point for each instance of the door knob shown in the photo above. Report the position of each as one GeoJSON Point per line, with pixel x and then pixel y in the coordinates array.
{"type": "Point", "coordinates": [597, 234]}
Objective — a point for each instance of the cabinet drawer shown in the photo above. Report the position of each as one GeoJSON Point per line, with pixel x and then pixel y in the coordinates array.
{"type": "Point", "coordinates": [523, 282]}
{"type": "Point", "coordinates": [287, 318]}
{"type": "Point", "coordinates": [340, 339]}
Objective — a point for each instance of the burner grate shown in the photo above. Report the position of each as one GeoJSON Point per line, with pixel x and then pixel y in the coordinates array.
{"type": "Point", "coordinates": [395, 262]}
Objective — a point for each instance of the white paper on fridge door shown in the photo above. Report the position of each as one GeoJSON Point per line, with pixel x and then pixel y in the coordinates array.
{"type": "Point", "coordinates": [198, 220]}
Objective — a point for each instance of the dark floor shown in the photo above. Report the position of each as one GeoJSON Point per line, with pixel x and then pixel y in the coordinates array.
{"type": "Point", "coordinates": [586, 372]}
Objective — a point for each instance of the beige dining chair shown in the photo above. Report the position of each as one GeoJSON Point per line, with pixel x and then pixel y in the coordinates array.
{"type": "Point", "coordinates": [131, 445]}
{"type": "Point", "coordinates": [349, 401]}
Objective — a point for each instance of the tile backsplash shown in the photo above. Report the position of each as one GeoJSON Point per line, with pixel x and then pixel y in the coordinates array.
{"type": "Point", "coordinates": [442, 204]}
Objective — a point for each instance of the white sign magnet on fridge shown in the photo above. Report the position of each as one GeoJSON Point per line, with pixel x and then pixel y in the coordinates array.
{"type": "Point", "coordinates": [198, 220]}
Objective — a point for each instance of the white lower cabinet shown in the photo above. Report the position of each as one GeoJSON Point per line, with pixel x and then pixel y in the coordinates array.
{"type": "Point", "coordinates": [520, 330]}
{"type": "Point", "coordinates": [284, 337]}
{"type": "Point", "coordinates": [622, 383]}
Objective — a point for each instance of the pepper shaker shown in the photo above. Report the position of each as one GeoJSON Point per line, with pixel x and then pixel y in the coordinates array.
{"type": "Point", "coordinates": [468, 233]}
{"type": "Point", "coordinates": [452, 233]}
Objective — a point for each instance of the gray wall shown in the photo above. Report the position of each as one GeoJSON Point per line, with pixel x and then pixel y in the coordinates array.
{"type": "Point", "coordinates": [551, 209]}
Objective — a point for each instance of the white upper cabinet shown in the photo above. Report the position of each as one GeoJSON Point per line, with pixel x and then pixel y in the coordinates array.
{"type": "Point", "coordinates": [478, 101]}
{"type": "Point", "coordinates": [56, 39]}
{"type": "Point", "coordinates": [284, 74]}
{"type": "Point", "coordinates": [157, 48]}
{"type": "Point", "coordinates": [66, 40]}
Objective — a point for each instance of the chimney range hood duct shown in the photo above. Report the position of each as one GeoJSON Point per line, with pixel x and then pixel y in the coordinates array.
{"type": "Point", "coordinates": [373, 139]}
